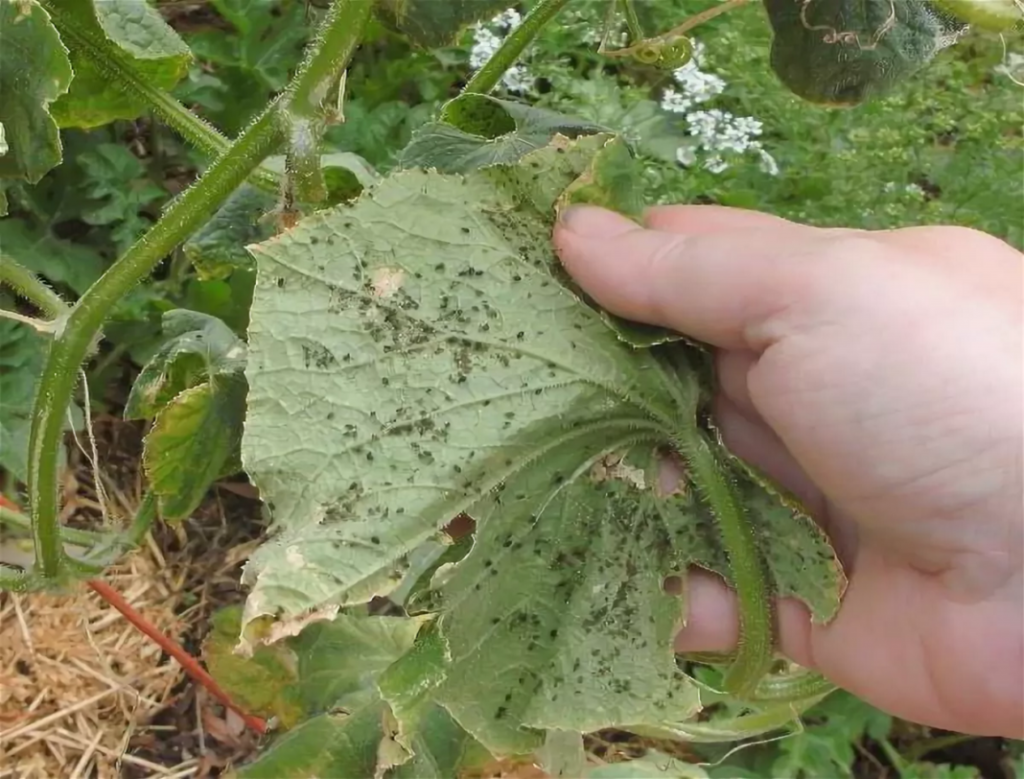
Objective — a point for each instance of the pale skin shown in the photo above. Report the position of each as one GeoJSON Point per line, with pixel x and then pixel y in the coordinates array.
{"type": "Point", "coordinates": [880, 377]}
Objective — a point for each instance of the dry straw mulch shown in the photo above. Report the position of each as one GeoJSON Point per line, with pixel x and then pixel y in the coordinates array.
{"type": "Point", "coordinates": [77, 681]}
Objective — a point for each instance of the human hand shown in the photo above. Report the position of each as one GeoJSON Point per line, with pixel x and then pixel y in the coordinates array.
{"type": "Point", "coordinates": [879, 376]}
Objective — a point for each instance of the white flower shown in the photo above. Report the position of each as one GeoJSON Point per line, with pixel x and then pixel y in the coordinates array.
{"type": "Point", "coordinates": [716, 164]}
{"type": "Point", "coordinates": [486, 41]}
{"type": "Point", "coordinates": [720, 133]}
{"type": "Point", "coordinates": [768, 163]}
{"type": "Point", "coordinates": [693, 85]}
{"type": "Point", "coordinates": [686, 155]}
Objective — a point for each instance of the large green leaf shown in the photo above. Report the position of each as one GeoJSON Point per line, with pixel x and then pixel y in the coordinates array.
{"type": "Point", "coordinates": [474, 131]}
{"type": "Point", "coordinates": [432, 23]}
{"type": "Point", "coordinates": [842, 52]}
{"type": "Point", "coordinates": [419, 354]}
{"type": "Point", "coordinates": [130, 35]}
{"type": "Point", "coordinates": [34, 71]}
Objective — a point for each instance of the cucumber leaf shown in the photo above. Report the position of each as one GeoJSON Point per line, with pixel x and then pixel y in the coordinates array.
{"type": "Point", "coordinates": [34, 72]}
{"type": "Point", "coordinates": [130, 34]}
{"type": "Point", "coordinates": [420, 353]}
{"type": "Point", "coordinates": [843, 52]}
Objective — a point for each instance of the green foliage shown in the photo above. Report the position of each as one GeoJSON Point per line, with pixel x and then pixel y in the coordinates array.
{"type": "Point", "coordinates": [120, 190]}
{"type": "Point", "coordinates": [545, 428]}
{"type": "Point", "coordinates": [22, 352]}
{"type": "Point", "coordinates": [841, 52]}
{"type": "Point", "coordinates": [474, 131]}
{"type": "Point", "coordinates": [34, 71]}
{"type": "Point", "coordinates": [429, 23]}
{"type": "Point", "coordinates": [417, 352]}
{"type": "Point", "coordinates": [63, 263]}
{"type": "Point", "coordinates": [993, 15]}
{"type": "Point", "coordinates": [132, 36]}
{"type": "Point", "coordinates": [194, 391]}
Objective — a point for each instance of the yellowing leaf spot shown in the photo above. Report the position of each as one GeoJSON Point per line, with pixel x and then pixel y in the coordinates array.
{"type": "Point", "coordinates": [386, 282]}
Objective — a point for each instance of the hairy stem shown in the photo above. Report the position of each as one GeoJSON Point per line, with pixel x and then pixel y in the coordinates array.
{"type": "Point", "coordinates": [490, 73]}
{"type": "Point", "coordinates": [757, 635]}
{"type": "Point", "coordinates": [13, 518]}
{"type": "Point", "coordinates": [29, 286]}
{"type": "Point", "coordinates": [342, 29]}
{"type": "Point", "coordinates": [13, 579]}
{"type": "Point", "coordinates": [119, 69]}
{"type": "Point", "coordinates": [636, 31]}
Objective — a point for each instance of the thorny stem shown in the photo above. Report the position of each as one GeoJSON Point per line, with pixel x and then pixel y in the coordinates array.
{"type": "Point", "coordinates": [29, 286]}
{"type": "Point", "coordinates": [490, 73]}
{"type": "Point", "coordinates": [16, 519]}
{"type": "Point", "coordinates": [636, 31]}
{"type": "Point", "coordinates": [118, 68]}
{"type": "Point", "coordinates": [342, 29]}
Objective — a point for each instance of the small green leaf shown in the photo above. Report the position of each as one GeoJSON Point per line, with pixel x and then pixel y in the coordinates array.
{"type": "Point", "coordinates": [329, 745]}
{"type": "Point", "coordinates": [842, 52]}
{"type": "Point", "coordinates": [128, 32]}
{"type": "Point", "coordinates": [475, 131]}
{"type": "Point", "coordinates": [198, 348]}
{"type": "Point", "coordinates": [34, 72]}
{"type": "Point", "coordinates": [432, 24]}
{"type": "Point", "coordinates": [218, 248]}
{"type": "Point", "coordinates": [339, 661]}
{"type": "Point", "coordinates": [262, 683]}
{"type": "Point", "coordinates": [192, 441]}
{"type": "Point", "coordinates": [346, 175]}
{"type": "Point", "coordinates": [61, 262]}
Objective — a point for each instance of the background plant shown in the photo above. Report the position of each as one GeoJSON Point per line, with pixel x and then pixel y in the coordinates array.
{"type": "Point", "coordinates": [732, 145]}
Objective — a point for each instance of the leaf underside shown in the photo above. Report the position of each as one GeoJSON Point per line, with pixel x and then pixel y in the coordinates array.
{"type": "Point", "coordinates": [419, 354]}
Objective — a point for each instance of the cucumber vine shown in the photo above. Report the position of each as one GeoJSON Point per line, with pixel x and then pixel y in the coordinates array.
{"type": "Point", "coordinates": [419, 299]}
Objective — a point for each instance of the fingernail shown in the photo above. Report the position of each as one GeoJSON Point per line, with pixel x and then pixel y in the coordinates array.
{"type": "Point", "coordinates": [595, 222]}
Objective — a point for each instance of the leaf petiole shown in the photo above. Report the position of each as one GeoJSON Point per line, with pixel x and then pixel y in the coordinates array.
{"type": "Point", "coordinates": [755, 651]}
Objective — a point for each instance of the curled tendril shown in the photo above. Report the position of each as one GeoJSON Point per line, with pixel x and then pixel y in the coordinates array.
{"type": "Point", "coordinates": [669, 54]}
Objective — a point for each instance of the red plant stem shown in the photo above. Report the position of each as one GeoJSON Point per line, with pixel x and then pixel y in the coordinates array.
{"type": "Point", "coordinates": [185, 660]}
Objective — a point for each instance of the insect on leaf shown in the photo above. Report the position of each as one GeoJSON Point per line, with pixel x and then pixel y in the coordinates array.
{"type": "Point", "coordinates": [421, 353]}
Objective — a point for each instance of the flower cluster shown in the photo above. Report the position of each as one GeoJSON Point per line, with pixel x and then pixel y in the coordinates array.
{"type": "Point", "coordinates": [715, 133]}
{"type": "Point", "coordinates": [487, 38]}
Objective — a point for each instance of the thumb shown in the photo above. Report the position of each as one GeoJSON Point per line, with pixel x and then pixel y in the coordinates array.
{"type": "Point", "coordinates": [721, 283]}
